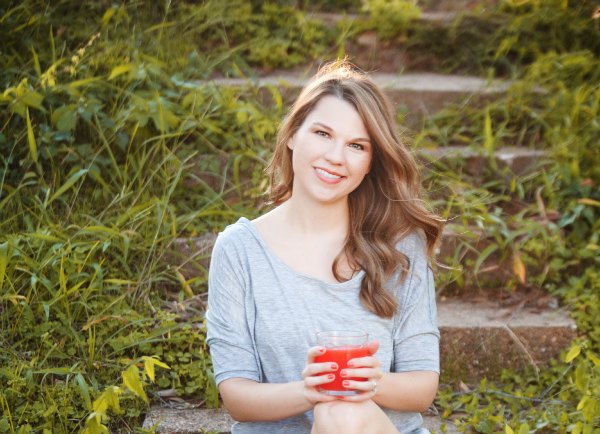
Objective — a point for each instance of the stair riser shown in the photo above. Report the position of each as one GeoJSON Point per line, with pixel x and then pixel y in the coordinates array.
{"type": "Point", "coordinates": [469, 354]}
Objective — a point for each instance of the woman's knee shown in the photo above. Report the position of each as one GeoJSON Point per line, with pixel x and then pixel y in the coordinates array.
{"type": "Point", "coordinates": [342, 417]}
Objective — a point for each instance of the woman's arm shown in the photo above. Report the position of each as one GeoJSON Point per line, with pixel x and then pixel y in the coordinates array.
{"type": "Point", "coordinates": [250, 401]}
{"type": "Point", "coordinates": [407, 391]}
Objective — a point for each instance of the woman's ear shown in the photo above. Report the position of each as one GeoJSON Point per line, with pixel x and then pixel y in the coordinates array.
{"type": "Point", "coordinates": [290, 143]}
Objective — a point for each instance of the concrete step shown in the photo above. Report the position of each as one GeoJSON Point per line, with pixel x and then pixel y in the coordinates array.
{"type": "Point", "coordinates": [168, 420]}
{"type": "Point", "coordinates": [480, 338]}
{"type": "Point", "coordinates": [419, 94]}
{"type": "Point", "coordinates": [428, 16]}
{"type": "Point", "coordinates": [473, 161]}
{"type": "Point", "coordinates": [426, 6]}
{"type": "Point", "coordinates": [457, 6]}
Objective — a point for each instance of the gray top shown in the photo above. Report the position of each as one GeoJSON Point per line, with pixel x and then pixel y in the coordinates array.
{"type": "Point", "coordinates": [263, 316]}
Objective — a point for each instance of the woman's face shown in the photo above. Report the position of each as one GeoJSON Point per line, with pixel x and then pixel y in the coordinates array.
{"type": "Point", "coordinates": [332, 152]}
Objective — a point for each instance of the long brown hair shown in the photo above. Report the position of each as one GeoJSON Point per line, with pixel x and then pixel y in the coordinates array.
{"type": "Point", "coordinates": [386, 206]}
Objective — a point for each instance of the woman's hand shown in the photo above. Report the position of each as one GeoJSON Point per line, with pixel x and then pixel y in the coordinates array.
{"type": "Point", "coordinates": [313, 375]}
{"type": "Point", "coordinates": [364, 367]}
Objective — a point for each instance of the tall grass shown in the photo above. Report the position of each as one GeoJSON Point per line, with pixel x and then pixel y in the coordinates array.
{"type": "Point", "coordinates": [109, 154]}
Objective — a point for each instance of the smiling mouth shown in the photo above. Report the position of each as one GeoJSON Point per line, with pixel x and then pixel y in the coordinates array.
{"type": "Point", "coordinates": [327, 175]}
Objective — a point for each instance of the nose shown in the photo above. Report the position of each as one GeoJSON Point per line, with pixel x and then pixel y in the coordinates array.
{"type": "Point", "coordinates": [335, 152]}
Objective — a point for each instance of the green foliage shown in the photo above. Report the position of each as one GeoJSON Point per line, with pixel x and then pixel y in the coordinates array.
{"type": "Point", "coordinates": [391, 18]}
{"type": "Point", "coordinates": [107, 155]}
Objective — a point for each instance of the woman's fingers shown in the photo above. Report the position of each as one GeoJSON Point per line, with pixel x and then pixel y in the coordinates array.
{"type": "Point", "coordinates": [314, 352]}
{"type": "Point", "coordinates": [364, 362]}
{"type": "Point", "coordinates": [373, 347]}
{"type": "Point", "coordinates": [318, 380]}
{"type": "Point", "coordinates": [361, 385]}
{"type": "Point", "coordinates": [319, 368]}
{"type": "Point", "coordinates": [370, 373]}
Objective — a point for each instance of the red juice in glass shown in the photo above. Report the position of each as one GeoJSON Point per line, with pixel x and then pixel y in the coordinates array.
{"type": "Point", "coordinates": [341, 346]}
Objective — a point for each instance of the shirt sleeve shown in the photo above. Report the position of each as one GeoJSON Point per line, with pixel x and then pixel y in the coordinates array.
{"type": "Point", "coordinates": [416, 336]}
{"type": "Point", "coordinates": [228, 316]}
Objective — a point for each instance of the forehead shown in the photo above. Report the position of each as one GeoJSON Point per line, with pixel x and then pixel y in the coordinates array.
{"type": "Point", "coordinates": [339, 115]}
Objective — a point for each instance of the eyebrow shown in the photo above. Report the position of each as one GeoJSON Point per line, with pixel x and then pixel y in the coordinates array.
{"type": "Point", "coordinates": [361, 139]}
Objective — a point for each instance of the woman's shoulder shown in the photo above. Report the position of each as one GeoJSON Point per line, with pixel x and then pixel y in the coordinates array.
{"type": "Point", "coordinates": [412, 243]}
{"type": "Point", "coordinates": [235, 234]}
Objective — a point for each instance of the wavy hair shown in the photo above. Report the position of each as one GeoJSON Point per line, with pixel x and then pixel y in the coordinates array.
{"type": "Point", "coordinates": [386, 206]}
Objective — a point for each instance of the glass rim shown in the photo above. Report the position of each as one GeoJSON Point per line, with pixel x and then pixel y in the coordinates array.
{"type": "Point", "coordinates": [343, 334]}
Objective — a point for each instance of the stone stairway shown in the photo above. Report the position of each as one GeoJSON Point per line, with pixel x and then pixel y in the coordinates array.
{"type": "Point", "coordinates": [480, 335]}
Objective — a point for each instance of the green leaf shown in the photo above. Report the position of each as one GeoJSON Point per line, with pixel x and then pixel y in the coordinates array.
{"type": "Point", "coordinates": [68, 184]}
{"type": "Point", "coordinates": [36, 62]}
{"type": "Point", "coordinates": [488, 143]}
{"type": "Point", "coordinates": [120, 70]}
{"type": "Point", "coordinates": [94, 426]}
{"type": "Point", "coordinates": [78, 83]}
{"type": "Point", "coordinates": [65, 117]}
{"type": "Point", "coordinates": [149, 363]}
{"type": "Point", "coordinates": [55, 371]}
{"type": "Point", "coordinates": [164, 119]}
{"type": "Point", "coordinates": [108, 15]}
{"type": "Point", "coordinates": [588, 201]}
{"type": "Point", "coordinates": [120, 282]}
{"type": "Point", "coordinates": [573, 352]}
{"type": "Point", "coordinates": [33, 99]}
{"type": "Point", "coordinates": [109, 399]}
{"type": "Point", "coordinates": [508, 430]}
{"type": "Point", "coordinates": [582, 377]}
{"type": "Point", "coordinates": [483, 256]}
{"type": "Point", "coordinates": [84, 390]}
{"type": "Point", "coordinates": [31, 139]}
{"type": "Point", "coordinates": [101, 230]}
{"type": "Point", "coordinates": [131, 380]}
{"type": "Point", "coordinates": [4, 257]}
{"type": "Point", "coordinates": [583, 402]}
{"type": "Point", "coordinates": [592, 357]}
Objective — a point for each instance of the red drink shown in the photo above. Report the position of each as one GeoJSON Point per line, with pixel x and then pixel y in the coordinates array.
{"type": "Point", "coordinates": [341, 355]}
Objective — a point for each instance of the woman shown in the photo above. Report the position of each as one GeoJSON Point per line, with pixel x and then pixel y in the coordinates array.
{"type": "Point", "coordinates": [347, 246]}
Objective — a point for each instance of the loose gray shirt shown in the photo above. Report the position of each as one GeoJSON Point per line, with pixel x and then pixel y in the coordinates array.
{"type": "Point", "coordinates": [263, 316]}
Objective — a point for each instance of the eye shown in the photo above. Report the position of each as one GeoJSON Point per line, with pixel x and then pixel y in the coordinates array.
{"type": "Point", "coordinates": [321, 133]}
{"type": "Point", "coordinates": [357, 146]}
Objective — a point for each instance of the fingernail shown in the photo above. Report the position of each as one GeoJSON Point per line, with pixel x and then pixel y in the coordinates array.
{"type": "Point", "coordinates": [343, 374]}
{"type": "Point", "coordinates": [345, 383]}
{"type": "Point", "coordinates": [334, 366]}
{"type": "Point", "coordinates": [350, 364]}
{"type": "Point", "coordinates": [331, 377]}
{"type": "Point", "coordinates": [321, 350]}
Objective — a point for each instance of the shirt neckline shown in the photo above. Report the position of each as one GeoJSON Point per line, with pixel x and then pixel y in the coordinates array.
{"type": "Point", "coordinates": [282, 264]}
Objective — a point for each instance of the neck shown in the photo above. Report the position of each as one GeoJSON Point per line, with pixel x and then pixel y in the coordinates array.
{"type": "Point", "coordinates": [315, 219]}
